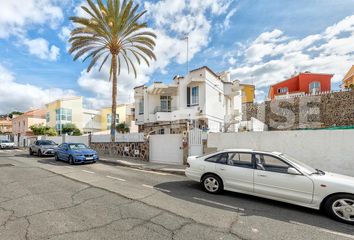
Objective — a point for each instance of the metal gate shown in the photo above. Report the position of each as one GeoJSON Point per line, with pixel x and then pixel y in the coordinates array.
{"type": "Point", "coordinates": [166, 148]}
{"type": "Point", "coordinates": [195, 142]}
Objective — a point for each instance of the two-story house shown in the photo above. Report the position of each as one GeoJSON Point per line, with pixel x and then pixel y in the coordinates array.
{"type": "Point", "coordinates": [202, 99]}
{"type": "Point", "coordinates": [301, 84]}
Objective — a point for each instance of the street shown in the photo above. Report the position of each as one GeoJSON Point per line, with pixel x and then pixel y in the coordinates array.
{"type": "Point", "coordinates": [44, 199]}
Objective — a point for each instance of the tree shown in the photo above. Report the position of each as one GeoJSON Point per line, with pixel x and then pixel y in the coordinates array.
{"type": "Point", "coordinates": [122, 128]}
{"type": "Point", "coordinates": [71, 129]}
{"type": "Point", "coordinates": [112, 32]}
{"type": "Point", "coordinates": [15, 113]}
{"type": "Point", "coordinates": [40, 129]}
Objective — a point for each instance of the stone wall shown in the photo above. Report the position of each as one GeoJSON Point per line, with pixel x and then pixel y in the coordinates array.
{"type": "Point", "coordinates": [136, 150]}
{"type": "Point", "coordinates": [319, 111]}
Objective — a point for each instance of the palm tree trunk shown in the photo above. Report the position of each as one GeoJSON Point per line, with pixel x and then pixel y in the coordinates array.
{"type": "Point", "coordinates": [114, 97]}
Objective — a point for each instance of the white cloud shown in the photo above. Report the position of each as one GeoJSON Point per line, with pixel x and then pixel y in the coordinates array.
{"type": "Point", "coordinates": [21, 97]}
{"type": "Point", "coordinates": [172, 21]}
{"type": "Point", "coordinates": [40, 48]}
{"type": "Point", "coordinates": [226, 24]}
{"type": "Point", "coordinates": [17, 16]}
{"type": "Point", "coordinates": [273, 57]}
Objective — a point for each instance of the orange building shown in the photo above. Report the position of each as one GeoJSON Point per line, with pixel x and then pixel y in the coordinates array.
{"type": "Point", "coordinates": [303, 83]}
{"type": "Point", "coordinates": [348, 80]}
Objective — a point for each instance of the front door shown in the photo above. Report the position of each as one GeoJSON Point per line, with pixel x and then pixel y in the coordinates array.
{"type": "Point", "coordinates": [237, 172]}
{"type": "Point", "coordinates": [271, 179]}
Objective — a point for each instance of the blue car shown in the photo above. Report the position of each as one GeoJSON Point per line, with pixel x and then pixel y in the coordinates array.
{"type": "Point", "coordinates": [75, 153]}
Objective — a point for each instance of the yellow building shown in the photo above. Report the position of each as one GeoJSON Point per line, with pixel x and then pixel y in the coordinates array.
{"type": "Point", "coordinates": [248, 93]}
{"type": "Point", "coordinates": [71, 110]}
{"type": "Point", "coordinates": [348, 80]}
{"type": "Point", "coordinates": [124, 114]}
{"type": "Point", "coordinates": [66, 110]}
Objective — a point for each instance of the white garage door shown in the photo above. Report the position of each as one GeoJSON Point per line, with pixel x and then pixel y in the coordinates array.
{"type": "Point", "coordinates": [166, 148]}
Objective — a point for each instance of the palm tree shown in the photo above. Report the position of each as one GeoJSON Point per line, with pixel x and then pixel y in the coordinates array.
{"type": "Point", "coordinates": [112, 32]}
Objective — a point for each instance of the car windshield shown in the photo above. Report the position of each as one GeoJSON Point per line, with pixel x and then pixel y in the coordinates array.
{"type": "Point", "coordinates": [77, 146]}
{"type": "Point", "coordinates": [306, 168]}
{"type": "Point", "coordinates": [47, 143]}
{"type": "Point", "coordinates": [5, 141]}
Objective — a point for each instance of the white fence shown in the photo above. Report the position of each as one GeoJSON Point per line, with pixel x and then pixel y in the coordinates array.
{"type": "Point", "coordinates": [330, 150]}
{"type": "Point", "coordinates": [67, 138]}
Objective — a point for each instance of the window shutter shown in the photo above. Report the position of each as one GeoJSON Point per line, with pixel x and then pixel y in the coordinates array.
{"type": "Point", "coordinates": [188, 96]}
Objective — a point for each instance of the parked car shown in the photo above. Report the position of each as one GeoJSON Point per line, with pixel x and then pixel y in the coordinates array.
{"type": "Point", "coordinates": [6, 144]}
{"type": "Point", "coordinates": [275, 176]}
{"type": "Point", "coordinates": [76, 153]}
{"type": "Point", "coordinates": [43, 148]}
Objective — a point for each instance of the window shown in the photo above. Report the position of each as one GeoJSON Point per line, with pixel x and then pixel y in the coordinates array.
{"type": "Point", "coordinates": [219, 158]}
{"type": "Point", "coordinates": [161, 131]}
{"type": "Point", "coordinates": [109, 120]}
{"type": "Point", "coordinates": [240, 160]}
{"type": "Point", "coordinates": [141, 106]}
{"type": "Point", "coordinates": [63, 114]}
{"type": "Point", "coordinates": [195, 96]}
{"type": "Point", "coordinates": [47, 117]}
{"type": "Point", "coordinates": [283, 90]}
{"type": "Point", "coordinates": [315, 87]}
{"type": "Point", "coordinates": [271, 164]}
{"type": "Point", "coordinates": [165, 103]}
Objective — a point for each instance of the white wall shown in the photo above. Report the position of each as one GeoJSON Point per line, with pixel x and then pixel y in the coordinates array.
{"type": "Point", "coordinates": [330, 150]}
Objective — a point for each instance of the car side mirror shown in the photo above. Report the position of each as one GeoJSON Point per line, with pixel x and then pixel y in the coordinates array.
{"type": "Point", "coordinates": [293, 171]}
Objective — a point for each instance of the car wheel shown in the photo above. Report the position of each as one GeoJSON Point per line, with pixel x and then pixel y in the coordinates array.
{"type": "Point", "coordinates": [71, 160]}
{"type": "Point", "coordinates": [39, 153]}
{"type": "Point", "coordinates": [341, 208]}
{"type": "Point", "coordinates": [30, 152]}
{"type": "Point", "coordinates": [212, 183]}
{"type": "Point", "coordinates": [56, 157]}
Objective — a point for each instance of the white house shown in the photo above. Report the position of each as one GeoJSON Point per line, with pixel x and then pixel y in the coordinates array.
{"type": "Point", "coordinates": [202, 99]}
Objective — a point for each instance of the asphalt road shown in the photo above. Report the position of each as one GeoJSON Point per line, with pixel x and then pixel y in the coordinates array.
{"type": "Point", "coordinates": [44, 199]}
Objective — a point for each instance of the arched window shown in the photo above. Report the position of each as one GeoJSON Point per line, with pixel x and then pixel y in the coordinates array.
{"type": "Point", "coordinates": [315, 87]}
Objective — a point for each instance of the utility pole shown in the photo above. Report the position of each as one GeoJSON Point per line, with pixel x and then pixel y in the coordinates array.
{"type": "Point", "coordinates": [187, 39]}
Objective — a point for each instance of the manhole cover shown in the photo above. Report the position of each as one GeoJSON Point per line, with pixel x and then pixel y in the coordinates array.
{"type": "Point", "coordinates": [6, 165]}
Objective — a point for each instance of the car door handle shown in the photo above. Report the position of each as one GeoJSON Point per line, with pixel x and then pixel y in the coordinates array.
{"type": "Point", "coordinates": [222, 169]}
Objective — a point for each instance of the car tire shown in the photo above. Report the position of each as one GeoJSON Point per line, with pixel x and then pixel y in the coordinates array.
{"type": "Point", "coordinates": [30, 152]}
{"type": "Point", "coordinates": [211, 183]}
{"type": "Point", "coordinates": [56, 157]}
{"type": "Point", "coordinates": [71, 160]}
{"type": "Point", "coordinates": [341, 208]}
{"type": "Point", "coordinates": [39, 153]}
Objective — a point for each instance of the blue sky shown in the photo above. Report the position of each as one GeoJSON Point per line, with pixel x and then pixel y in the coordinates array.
{"type": "Point", "coordinates": [258, 41]}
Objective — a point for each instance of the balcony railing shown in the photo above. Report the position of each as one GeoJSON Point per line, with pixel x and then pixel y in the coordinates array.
{"type": "Point", "coordinates": [164, 109]}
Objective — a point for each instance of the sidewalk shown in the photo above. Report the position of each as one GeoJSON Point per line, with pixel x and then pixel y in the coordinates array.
{"type": "Point", "coordinates": [138, 164]}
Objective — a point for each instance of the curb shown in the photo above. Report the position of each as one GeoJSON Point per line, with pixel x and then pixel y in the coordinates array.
{"type": "Point", "coordinates": [171, 171]}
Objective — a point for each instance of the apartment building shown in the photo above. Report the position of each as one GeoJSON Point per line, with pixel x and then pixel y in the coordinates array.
{"type": "Point", "coordinates": [202, 99]}
{"type": "Point", "coordinates": [71, 110]}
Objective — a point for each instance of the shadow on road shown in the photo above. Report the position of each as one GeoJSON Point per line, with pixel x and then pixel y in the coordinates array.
{"type": "Point", "coordinates": [254, 206]}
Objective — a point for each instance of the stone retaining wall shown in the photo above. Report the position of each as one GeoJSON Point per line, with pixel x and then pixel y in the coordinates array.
{"type": "Point", "coordinates": [322, 111]}
{"type": "Point", "coordinates": [136, 150]}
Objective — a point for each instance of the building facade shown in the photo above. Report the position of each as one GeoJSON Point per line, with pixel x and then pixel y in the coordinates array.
{"type": "Point", "coordinates": [303, 83]}
{"type": "Point", "coordinates": [248, 93]}
{"type": "Point", "coordinates": [5, 124]}
{"type": "Point", "coordinates": [21, 124]}
{"type": "Point", "coordinates": [71, 110]}
{"type": "Point", "coordinates": [348, 80]}
{"type": "Point", "coordinates": [202, 99]}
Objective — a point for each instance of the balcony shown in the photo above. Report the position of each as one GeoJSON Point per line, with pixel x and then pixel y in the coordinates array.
{"type": "Point", "coordinates": [164, 109]}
